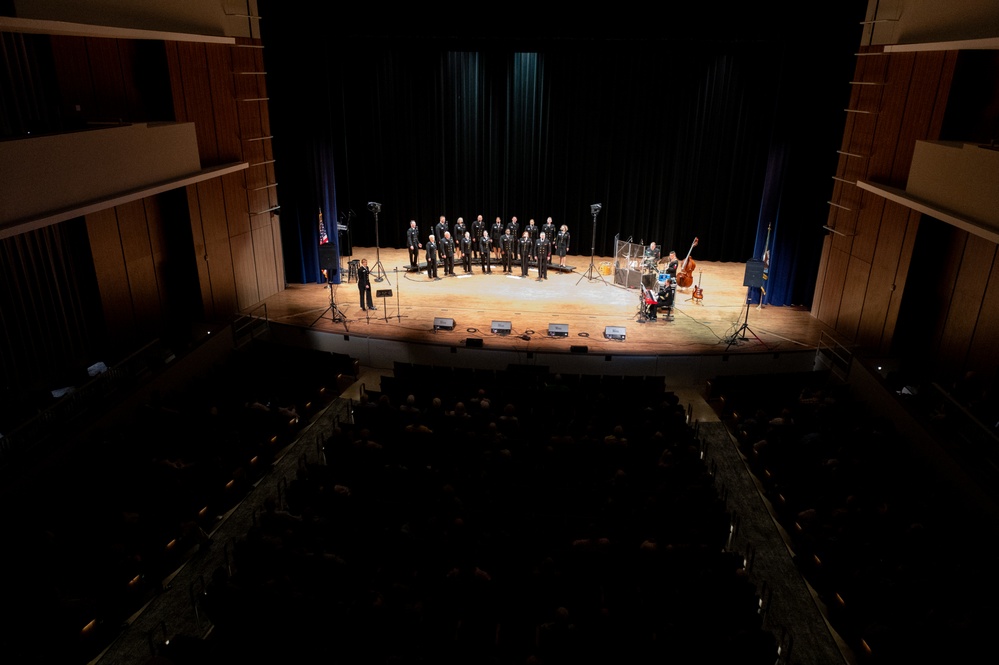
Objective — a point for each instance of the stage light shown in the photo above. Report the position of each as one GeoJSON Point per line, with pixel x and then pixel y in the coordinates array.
{"type": "Point", "coordinates": [558, 329]}
{"type": "Point", "coordinates": [501, 327]}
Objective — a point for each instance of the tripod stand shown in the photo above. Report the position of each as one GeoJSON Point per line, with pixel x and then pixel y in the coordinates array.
{"type": "Point", "coordinates": [336, 315]}
{"type": "Point", "coordinates": [377, 271]}
{"type": "Point", "coordinates": [740, 334]}
{"type": "Point", "coordinates": [592, 273]}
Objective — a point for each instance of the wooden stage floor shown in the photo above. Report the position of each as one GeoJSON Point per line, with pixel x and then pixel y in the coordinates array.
{"type": "Point", "coordinates": [587, 305]}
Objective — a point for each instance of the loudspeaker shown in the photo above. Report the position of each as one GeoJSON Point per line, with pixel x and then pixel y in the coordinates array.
{"type": "Point", "coordinates": [558, 329]}
{"type": "Point", "coordinates": [443, 324]}
{"type": "Point", "coordinates": [473, 343]}
{"type": "Point", "coordinates": [329, 261]}
{"type": "Point", "coordinates": [579, 349]}
{"type": "Point", "coordinates": [754, 274]}
{"type": "Point", "coordinates": [501, 327]}
{"type": "Point", "coordinates": [614, 332]}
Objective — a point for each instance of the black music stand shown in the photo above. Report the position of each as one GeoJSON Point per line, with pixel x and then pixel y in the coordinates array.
{"type": "Point", "coordinates": [753, 280]}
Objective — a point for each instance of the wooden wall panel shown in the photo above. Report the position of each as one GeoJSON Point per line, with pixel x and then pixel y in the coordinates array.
{"type": "Point", "coordinates": [278, 251]}
{"type": "Point", "coordinates": [237, 215]}
{"type": "Point", "coordinates": [901, 274]}
{"type": "Point", "coordinates": [73, 75]}
{"type": "Point", "coordinates": [224, 113]}
{"type": "Point", "coordinates": [200, 249]}
{"type": "Point", "coordinates": [198, 99]}
{"type": "Point", "coordinates": [884, 285]}
{"type": "Point", "coordinates": [984, 352]}
{"type": "Point", "coordinates": [216, 234]}
{"type": "Point", "coordinates": [176, 81]}
{"type": "Point", "coordinates": [155, 222]}
{"type": "Point", "coordinates": [966, 302]}
{"type": "Point", "coordinates": [951, 254]}
{"type": "Point", "coordinates": [837, 263]}
{"type": "Point", "coordinates": [244, 271]}
{"type": "Point", "coordinates": [112, 278]}
{"type": "Point", "coordinates": [919, 111]}
{"type": "Point", "coordinates": [868, 225]}
{"type": "Point", "coordinates": [264, 258]}
{"type": "Point", "coordinates": [854, 294]}
{"type": "Point", "coordinates": [138, 256]}
{"type": "Point", "coordinates": [890, 114]}
{"type": "Point", "coordinates": [105, 73]}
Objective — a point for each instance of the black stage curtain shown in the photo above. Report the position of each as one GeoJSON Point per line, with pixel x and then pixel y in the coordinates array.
{"type": "Point", "coordinates": [676, 140]}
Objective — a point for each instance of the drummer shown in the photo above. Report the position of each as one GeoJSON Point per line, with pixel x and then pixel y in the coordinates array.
{"type": "Point", "coordinates": [651, 256]}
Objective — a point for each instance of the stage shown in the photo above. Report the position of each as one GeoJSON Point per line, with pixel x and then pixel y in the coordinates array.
{"type": "Point", "coordinates": [584, 302]}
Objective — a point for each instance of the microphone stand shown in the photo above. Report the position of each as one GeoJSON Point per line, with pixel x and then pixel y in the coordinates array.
{"type": "Point", "coordinates": [592, 273]}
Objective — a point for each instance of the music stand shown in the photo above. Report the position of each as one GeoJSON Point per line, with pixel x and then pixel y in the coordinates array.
{"type": "Point", "coordinates": [753, 279]}
{"type": "Point", "coordinates": [592, 273]}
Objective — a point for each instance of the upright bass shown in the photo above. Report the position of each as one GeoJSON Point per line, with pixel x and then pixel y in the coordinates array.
{"type": "Point", "coordinates": [685, 271]}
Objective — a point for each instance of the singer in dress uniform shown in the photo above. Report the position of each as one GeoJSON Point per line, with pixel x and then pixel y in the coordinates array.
{"type": "Point", "coordinates": [485, 243]}
{"type": "Point", "coordinates": [478, 226]}
{"type": "Point", "coordinates": [414, 244]}
{"type": "Point", "coordinates": [543, 248]}
{"type": "Point", "coordinates": [447, 253]}
{"type": "Point", "coordinates": [507, 243]}
{"type": "Point", "coordinates": [465, 246]}
{"type": "Point", "coordinates": [431, 250]}
{"type": "Point", "coordinates": [525, 253]}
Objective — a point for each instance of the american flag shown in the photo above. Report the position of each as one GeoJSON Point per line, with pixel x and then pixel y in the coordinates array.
{"type": "Point", "coordinates": [323, 237]}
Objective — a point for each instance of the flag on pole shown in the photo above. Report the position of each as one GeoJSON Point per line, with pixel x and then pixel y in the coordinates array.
{"type": "Point", "coordinates": [323, 236]}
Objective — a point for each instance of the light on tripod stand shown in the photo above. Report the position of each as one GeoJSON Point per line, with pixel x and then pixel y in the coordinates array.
{"type": "Point", "coordinates": [595, 208]}
{"type": "Point", "coordinates": [374, 207]}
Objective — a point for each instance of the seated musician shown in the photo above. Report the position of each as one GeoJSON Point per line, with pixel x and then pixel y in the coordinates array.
{"type": "Point", "coordinates": [666, 297]}
{"type": "Point", "coordinates": [672, 263]}
{"type": "Point", "coordinates": [651, 301]}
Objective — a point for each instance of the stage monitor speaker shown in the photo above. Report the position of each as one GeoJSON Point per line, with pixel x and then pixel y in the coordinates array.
{"type": "Point", "coordinates": [443, 324]}
{"type": "Point", "coordinates": [754, 274]}
{"type": "Point", "coordinates": [501, 327]}
{"type": "Point", "coordinates": [579, 349]}
{"type": "Point", "coordinates": [329, 261]}
{"type": "Point", "coordinates": [558, 329]}
{"type": "Point", "coordinates": [473, 342]}
{"type": "Point", "coordinates": [614, 332]}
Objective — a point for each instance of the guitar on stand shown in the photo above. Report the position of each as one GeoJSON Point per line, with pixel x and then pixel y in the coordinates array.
{"type": "Point", "coordinates": [698, 294]}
